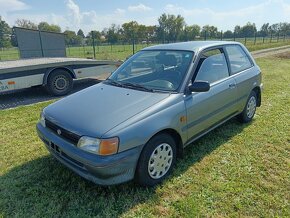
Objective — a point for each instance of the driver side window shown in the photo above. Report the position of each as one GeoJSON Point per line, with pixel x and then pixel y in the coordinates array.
{"type": "Point", "coordinates": [212, 66]}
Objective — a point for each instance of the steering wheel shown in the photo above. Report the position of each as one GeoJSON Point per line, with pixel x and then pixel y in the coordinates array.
{"type": "Point", "coordinates": [174, 77]}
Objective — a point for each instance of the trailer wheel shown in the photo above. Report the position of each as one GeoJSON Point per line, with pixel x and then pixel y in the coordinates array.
{"type": "Point", "coordinates": [59, 82]}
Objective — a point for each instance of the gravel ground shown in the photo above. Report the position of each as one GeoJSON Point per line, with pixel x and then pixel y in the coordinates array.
{"type": "Point", "coordinates": [38, 94]}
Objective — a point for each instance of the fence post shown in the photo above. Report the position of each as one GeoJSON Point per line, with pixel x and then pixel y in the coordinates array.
{"type": "Point", "coordinates": [84, 50]}
{"type": "Point", "coordinates": [284, 37]}
{"type": "Point", "coordinates": [278, 36]}
{"type": "Point", "coordinates": [133, 43]}
{"type": "Point", "coordinates": [221, 35]}
{"type": "Point", "coordinates": [255, 38]}
{"type": "Point", "coordinates": [263, 39]}
{"type": "Point", "coordinates": [271, 36]}
{"type": "Point", "coordinates": [18, 51]}
{"type": "Point", "coordinates": [163, 36]}
{"type": "Point", "coordinates": [68, 50]}
{"type": "Point", "coordinates": [94, 45]}
{"type": "Point", "coordinates": [204, 35]}
{"type": "Point", "coordinates": [245, 40]}
{"type": "Point", "coordinates": [234, 35]}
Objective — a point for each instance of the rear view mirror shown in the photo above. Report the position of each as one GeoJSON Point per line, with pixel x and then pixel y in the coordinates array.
{"type": "Point", "coordinates": [199, 86]}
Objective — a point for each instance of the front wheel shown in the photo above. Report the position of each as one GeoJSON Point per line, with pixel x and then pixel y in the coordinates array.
{"type": "Point", "coordinates": [250, 109]}
{"type": "Point", "coordinates": [156, 161]}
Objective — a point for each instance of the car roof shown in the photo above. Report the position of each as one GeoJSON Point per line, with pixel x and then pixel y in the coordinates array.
{"type": "Point", "coordinates": [194, 46]}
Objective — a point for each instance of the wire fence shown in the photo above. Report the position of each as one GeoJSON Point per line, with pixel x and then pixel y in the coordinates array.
{"type": "Point", "coordinates": [121, 50]}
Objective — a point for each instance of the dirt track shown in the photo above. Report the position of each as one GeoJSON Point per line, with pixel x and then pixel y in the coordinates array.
{"type": "Point", "coordinates": [270, 51]}
{"type": "Point", "coordinates": [37, 94]}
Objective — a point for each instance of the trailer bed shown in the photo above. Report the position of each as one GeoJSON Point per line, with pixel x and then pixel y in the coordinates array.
{"type": "Point", "coordinates": [36, 63]}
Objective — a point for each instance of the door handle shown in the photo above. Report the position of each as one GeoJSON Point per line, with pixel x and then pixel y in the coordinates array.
{"type": "Point", "coordinates": [232, 85]}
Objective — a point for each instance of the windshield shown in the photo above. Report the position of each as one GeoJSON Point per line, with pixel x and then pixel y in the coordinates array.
{"type": "Point", "coordinates": [153, 71]}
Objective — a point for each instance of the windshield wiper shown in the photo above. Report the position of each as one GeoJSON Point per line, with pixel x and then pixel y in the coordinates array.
{"type": "Point", "coordinates": [114, 83]}
{"type": "Point", "coordinates": [137, 86]}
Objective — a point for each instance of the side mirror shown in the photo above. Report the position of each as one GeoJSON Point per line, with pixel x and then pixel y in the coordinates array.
{"type": "Point", "coordinates": [199, 86]}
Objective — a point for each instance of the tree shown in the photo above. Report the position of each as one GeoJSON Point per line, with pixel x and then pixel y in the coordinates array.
{"type": "Point", "coordinates": [93, 34]}
{"type": "Point", "coordinates": [284, 28]}
{"type": "Point", "coordinates": [264, 31]}
{"type": "Point", "coordinates": [177, 26]}
{"type": "Point", "coordinates": [44, 26]}
{"type": "Point", "coordinates": [248, 30]}
{"type": "Point", "coordinates": [141, 33]}
{"type": "Point", "coordinates": [80, 33]}
{"type": "Point", "coordinates": [71, 38]}
{"type": "Point", "coordinates": [170, 27]}
{"type": "Point", "coordinates": [228, 34]}
{"type": "Point", "coordinates": [5, 32]}
{"type": "Point", "coordinates": [210, 31]}
{"type": "Point", "coordinates": [130, 30]}
{"type": "Point", "coordinates": [112, 34]}
{"type": "Point", "coordinates": [237, 30]}
{"type": "Point", "coordinates": [151, 33]}
{"type": "Point", "coordinates": [25, 24]}
{"type": "Point", "coordinates": [190, 32]}
{"type": "Point", "coordinates": [195, 31]}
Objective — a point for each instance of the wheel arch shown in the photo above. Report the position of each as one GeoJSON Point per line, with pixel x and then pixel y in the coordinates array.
{"type": "Point", "coordinates": [49, 71]}
{"type": "Point", "coordinates": [177, 138]}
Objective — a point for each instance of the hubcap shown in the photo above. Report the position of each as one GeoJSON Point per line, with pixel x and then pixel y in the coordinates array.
{"type": "Point", "coordinates": [251, 107]}
{"type": "Point", "coordinates": [160, 161]}
{"type": "Point", "coordinates": [60, 82]}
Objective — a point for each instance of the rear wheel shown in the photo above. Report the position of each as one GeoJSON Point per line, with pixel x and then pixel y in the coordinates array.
{"type": "Point", "coordinates": [156, 161]}
{"type": "Point", "coordinates": [59, 83]}
{"type": "Point", "coordinates": [250, 109]}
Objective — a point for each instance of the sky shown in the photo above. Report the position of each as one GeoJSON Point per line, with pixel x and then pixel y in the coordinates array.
{"type": "Point", "coordinates": [98, 14]}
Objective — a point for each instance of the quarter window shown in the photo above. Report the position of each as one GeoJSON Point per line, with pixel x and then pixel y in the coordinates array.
{"type": "Point", "coordinates": [212, 66]}
{"type": "Point", "coordinates": [239, 61]}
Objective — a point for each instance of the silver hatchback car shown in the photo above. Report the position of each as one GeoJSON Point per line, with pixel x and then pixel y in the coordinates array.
{"type": "Point", "coordinates": [138, 121]}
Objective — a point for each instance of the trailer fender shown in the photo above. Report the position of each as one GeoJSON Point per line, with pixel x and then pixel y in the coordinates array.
{"type": "Point", "coordinates": [50, 70]}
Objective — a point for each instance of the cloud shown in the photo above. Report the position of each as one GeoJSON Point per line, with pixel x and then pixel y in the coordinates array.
{"type": "Point", "coordinates": [12, 5]}
{"type": "Point", "coordinates": [120, 11]}
{"type": "Point", "coordinates": [259, 14]}
{"type": "Point", "coordinates": [139, 8]}
{"type": "Point", "coordinates": [74, 12]}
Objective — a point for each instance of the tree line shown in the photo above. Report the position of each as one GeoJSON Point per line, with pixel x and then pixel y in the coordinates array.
{"type": "Point", "coordinates": [170, 28]}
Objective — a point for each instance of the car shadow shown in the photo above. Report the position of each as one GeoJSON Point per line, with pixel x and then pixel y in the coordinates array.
{"type": "Point", "coordinates": [37, 94]}
{"type": "Point", "coordinates": [45, 187]}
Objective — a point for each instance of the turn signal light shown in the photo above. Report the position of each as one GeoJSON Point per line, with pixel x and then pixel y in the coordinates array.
{"type": "Point", "coordinates": [109, 146]}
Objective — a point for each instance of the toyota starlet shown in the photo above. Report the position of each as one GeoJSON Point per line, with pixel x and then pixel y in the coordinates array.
{"type": "Point", "coordinates": [137, 122]}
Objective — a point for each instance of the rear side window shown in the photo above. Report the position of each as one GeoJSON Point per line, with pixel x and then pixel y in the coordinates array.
{"type": "Point", "coordinates": [239, 61]}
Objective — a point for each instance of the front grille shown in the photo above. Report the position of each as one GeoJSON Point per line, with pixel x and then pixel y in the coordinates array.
{"type": "Point", "coordinates": [67, 135]}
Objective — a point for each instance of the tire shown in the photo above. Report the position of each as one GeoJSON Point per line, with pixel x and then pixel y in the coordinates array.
{"type": "Point", "coordinates": [156, 160]}
{"type": "Point", "coordinates": [59, 83]}
{"type": "Point", "coordinates": [250, 108]}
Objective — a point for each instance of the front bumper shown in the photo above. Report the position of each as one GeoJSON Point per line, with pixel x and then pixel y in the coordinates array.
{"type": "Point", "coordinates": [102, 170]}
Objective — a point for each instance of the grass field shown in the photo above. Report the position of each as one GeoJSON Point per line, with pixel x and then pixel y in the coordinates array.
{"type": "Point", "coordinates": [120, 52]}
{"type": "Point", "coordinates": [236, 170]}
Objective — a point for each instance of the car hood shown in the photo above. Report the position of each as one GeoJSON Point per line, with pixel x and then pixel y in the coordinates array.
{"type": "Point", "coordinates": [98, 109]}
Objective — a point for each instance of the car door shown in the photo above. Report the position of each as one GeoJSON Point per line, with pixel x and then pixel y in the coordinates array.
{"type": "Point", "coordinates": [207, 109]}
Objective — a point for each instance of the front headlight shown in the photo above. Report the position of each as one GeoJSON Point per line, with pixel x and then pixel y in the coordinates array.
{"type": "Point", "coordinates": [42, 119]}
{"type": "Point", "coordinates": [99, 146]}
